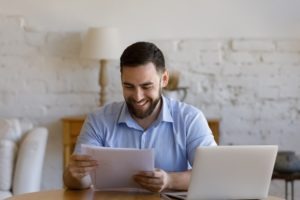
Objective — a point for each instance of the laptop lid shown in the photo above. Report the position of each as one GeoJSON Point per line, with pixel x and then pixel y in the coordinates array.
{"type": "Point", "coordinates": [232, 172]}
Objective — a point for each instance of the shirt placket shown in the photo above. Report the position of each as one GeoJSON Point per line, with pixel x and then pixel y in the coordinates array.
{"type": "Point", "coordinates": [144, 140]}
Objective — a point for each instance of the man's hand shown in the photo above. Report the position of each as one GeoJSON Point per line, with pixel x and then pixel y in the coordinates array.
{"type": "Point", "coordinates": [155, 181]}
{"type": "Point", "coordinates": [81, 165]}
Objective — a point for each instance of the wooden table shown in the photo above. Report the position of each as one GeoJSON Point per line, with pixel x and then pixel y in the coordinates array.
{"type": "Point", "coordinates": [85, 195]}
{"type": "Point", "coordinates": [92, 195]}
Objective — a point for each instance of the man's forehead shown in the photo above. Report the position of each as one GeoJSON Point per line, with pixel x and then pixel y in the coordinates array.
{"type": "Point", "coordinates": [139, 76]}
{"type": "Point", "coordinates": [143, 67]}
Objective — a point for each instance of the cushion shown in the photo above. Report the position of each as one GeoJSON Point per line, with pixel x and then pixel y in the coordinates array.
{"type": "Point", "coordinates": [29, 164]}
{"type": "Point", "coordinates": [10, 129]}
{"type": "Point", "coordinates": [8, 151]}
{"type": "Point", "coordinates": [5, 194]}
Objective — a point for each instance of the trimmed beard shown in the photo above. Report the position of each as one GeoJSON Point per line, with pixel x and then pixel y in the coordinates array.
{"type": "Point", "coordinates": [147, 112]}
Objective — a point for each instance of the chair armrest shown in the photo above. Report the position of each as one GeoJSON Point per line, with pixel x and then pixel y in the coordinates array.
{"type": "Point", "coordinates": [29, 165]}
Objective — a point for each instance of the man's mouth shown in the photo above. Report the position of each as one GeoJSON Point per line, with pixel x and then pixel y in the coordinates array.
{"type": "Point", "coordinates": [140, 103]}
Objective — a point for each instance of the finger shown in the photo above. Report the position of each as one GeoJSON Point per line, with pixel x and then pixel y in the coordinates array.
{"type": "Point", "coordinates": [84, 163]}
{"type": "Point", "coordinates": [83, 169]}
{"type": "Point", "coordinates": [79, 173]}
{"type": "Point", "coordinates": [150, 174]}
{"type": "Point", "coordinates": [153, 188]}
{"type": "Point", "coordinates": [81, 157]}
{"type": "Point", "coordinates": [148, 180]}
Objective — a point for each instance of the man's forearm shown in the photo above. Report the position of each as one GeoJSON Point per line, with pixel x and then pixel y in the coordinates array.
{"type": "Point", "coordinates": [179, 180]}
{"type": "Point", "coordinates": [73, 183]}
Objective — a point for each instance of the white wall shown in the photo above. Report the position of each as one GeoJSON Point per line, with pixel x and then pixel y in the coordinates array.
{"type": "Point", "coordinates": [236, 68]}
{"type": "Point", "coordinates": [143, 19]}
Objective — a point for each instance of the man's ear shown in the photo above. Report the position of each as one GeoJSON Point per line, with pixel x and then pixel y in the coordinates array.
{"type": "Point", "coordinates": [165, 78]}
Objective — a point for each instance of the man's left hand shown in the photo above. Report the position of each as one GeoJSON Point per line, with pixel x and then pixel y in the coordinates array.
{"type": "Point", "coordinates": [155, 181]}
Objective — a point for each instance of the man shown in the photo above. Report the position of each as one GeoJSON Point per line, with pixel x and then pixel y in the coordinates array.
{"type": "Point", "coordinates": [146, 119]}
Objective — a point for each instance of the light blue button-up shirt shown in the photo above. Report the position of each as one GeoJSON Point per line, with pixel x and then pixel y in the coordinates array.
{"type": "Point", "coordinates": [179, 129]}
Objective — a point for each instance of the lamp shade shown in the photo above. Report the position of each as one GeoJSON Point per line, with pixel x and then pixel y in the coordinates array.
{"type": "Point", "coordinates": [101, 43]}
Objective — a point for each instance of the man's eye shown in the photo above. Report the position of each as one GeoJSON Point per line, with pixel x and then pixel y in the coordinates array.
{"type": "Point", "coordinates": [146, 87]}
{"type": "Point", "coordinates": [128, 86]}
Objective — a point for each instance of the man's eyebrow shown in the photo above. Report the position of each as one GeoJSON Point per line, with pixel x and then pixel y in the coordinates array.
{"type": "Point", "coordinates": [146, 83]}
{"type": "Point", "coordinates": [142, 84]}
{"type": "Point", "coordinates": [126, 83]}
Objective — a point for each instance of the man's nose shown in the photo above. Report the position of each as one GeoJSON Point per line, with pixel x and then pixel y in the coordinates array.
{"type": "Point", "coordinates": [138, 95]}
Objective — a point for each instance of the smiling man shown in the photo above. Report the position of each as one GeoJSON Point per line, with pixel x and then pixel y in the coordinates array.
{"type": "Point", "coordinates": [146, 119]}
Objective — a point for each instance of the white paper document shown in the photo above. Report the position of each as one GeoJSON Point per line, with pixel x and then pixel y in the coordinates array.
{"type": "Point", "coordinates": [116, 166]}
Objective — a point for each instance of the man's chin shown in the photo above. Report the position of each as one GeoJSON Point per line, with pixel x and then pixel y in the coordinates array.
{"type": "Point", "coordinates": [140, 115]}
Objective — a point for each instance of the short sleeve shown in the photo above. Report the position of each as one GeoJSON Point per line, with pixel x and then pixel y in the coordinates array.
{"type": "Point", "coordinates": [198, 134]}
{"type": "Point", "coordinates": [90, 134]}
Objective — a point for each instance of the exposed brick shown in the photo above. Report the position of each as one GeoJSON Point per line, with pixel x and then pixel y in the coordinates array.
{"type": "Point", "coordinates": [23, 111]}
{"type": "Point", "coordinates": [166, 45]}
{"type": "Point", "coordinates": [59, 86]}
{"type": "Point", "coordinates": [35, 38]}
{"type": "Point", "coordinates": [204, 69]}
{"type": "Point", "coordinates": [11, 85]}
{"type": "Point", "coordinates": [62, 44]}
{"type": "Point", "coordinates": [36, 86]}
{"type": "Point", "coordinates": [289, 92]}
{"type": "Point", "coordinates": [253, 45]}
{"type": "Point", "coordinates": [287, 70]}
{"type": "Point", "coordinates": [63, 111]}
{"type": "Point", "coordinates": [18, 49]}
{"type": "Point", "coordinates": [231, 69]}
{"type": "Point", "coordinates": [281, 58]}
{"type": "Point", "coordinates": [213, 57]}
{"type": "Point", "coordinates": [261, 70]}
{"type": "Point", "coordinates": [200, 45]}
{"type": "Point", "coordinates": [242, 57]}
{"type": "Point", "coordinates": [183, 57]}
{"type": "Point", "coordinates": [288, 45]}
{"type": "Point", "coordinates": [13, 37]}
{"type": "Point", "coordinates": [268, 92]}
{"type": "Point", "coordinates": [11, 22]}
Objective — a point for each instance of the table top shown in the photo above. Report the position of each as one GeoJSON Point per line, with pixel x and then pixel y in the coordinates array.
{"type": "Point", "coordinates": [286, 176]}
{"type": "Point", "coordinates": [90, 194]}
{"type": "Point", "coordinates": [86, 195]}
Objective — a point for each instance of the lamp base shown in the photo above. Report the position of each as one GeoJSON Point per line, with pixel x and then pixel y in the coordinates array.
{"type": "Point", "coordinates": [102, 82]}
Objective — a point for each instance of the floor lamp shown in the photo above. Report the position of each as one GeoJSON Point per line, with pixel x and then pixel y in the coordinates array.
{"type": "Point", "coordinates": [101, 44]}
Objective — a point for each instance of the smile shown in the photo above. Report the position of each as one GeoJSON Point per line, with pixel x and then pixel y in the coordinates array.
{"type": "Point", "coordinates": [141, 103]}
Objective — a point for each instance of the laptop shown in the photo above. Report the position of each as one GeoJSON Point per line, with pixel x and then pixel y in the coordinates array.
{"type": "Point", "coordinates": [230, 172]}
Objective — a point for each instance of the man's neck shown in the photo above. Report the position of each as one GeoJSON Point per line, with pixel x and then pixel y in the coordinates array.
{"type": "Point", "coordinates": [146, 122]}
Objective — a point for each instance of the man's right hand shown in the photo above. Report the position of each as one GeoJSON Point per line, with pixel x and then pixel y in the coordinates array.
{"type": "Point", "coordinates": [81, 165]}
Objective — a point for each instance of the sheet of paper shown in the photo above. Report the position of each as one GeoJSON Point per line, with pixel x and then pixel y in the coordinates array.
{"type": "Point", "coordinates": [118, 165]}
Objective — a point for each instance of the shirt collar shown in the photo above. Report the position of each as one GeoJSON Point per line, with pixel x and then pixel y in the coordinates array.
{"type": "Point", "coordinates": [164, 115]}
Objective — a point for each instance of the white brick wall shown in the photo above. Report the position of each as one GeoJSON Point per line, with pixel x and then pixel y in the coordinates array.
{"type": "Point", "coordinates": [42, 79]}
{"type": "Point", "coordinates": [251, 85]}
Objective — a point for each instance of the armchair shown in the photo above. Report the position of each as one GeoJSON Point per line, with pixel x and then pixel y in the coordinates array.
{"type": "Point", "coordinates": [22, 150]}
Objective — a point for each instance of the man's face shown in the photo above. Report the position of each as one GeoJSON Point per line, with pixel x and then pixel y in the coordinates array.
{"type": "Point", "coordinates": [142, 87]}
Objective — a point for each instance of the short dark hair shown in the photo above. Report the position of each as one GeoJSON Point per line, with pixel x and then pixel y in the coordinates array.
{"type": "Point", "coordinates": [141, 53]}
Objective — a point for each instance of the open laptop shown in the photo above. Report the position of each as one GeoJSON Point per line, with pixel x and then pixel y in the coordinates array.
{"type": "Point", "coordinates": [230, 172]}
